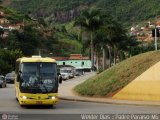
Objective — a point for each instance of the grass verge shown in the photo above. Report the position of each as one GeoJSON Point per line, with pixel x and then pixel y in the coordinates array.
{"type": "Point", "coordinates": [115, 78]}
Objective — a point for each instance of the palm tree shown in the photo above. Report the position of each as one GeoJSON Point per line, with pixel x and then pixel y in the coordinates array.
{"type": "Point", "coordinates": [1, 32]}
{"type": "Point", "coordinates": [113, 40]}
{"type": "Point", "coordinates": [90, 21]}
{"type": "Point", "coordinates": [102, 44]}
{"type": "Point", "coordinates": [116, 36]}
{"type": "Point", "coordinates": [131, 46]}
{"type": "Point", "coordinates": [105, 34]}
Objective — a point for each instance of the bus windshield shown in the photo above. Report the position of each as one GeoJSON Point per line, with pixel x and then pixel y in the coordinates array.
{"type": "Point", "coordinates": [38, 77]}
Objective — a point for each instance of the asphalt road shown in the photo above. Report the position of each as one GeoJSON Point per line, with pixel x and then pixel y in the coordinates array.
{"type": "Point", "coordinates": [9, 105]}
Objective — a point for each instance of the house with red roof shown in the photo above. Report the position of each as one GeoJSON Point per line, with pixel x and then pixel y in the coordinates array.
{"type": "Point", "coordinates": [75, 60]}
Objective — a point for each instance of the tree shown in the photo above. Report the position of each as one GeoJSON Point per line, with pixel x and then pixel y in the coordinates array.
{"type": "Point", "coordinates": [101, 43]}
{"type": "Point", "coordinates": [1, 32]}
{"type": "Point", "coordinates": [105, 33]}
{"type": "Point", "coordinates": [7, 60]}
{"type": "Point", "coordinates": [112, 41]}
{"type": "Point", "coordinates": [90, 21]}
{"type": "Point", "coordinates": [27, 41]}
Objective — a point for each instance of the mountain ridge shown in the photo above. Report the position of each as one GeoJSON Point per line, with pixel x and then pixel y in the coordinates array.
{"type": "Point", "coordinates": [126, 11]}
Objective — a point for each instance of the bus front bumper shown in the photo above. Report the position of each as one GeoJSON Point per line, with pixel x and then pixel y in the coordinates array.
{"type": "Point", "coordinates": [38, 102]}
{"type": "Point", "coordinates": [23, 100]}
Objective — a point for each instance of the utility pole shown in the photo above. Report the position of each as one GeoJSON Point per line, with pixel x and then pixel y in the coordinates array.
{"type": "Point", "coordinates": [155, 34]}
{"type": "Point", "coordinates": [156, 39]}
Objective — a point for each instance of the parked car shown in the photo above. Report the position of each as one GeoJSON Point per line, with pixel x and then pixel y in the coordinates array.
{"type": "Point", "coordinates": [79, 71]}
{"type": "Point", "coordinates": [2, 82]}
{"type": "Point", "coordinates": [64, 74]}
{"type": "Point", "coordinates": [10, 77]}
{"type": "Point", "coordinates": [67, 72]}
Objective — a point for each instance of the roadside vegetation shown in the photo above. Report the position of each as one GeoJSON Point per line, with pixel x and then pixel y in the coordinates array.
{"type": "Point", "coordinates": [115, 78]}
{"type": "Point", "coordinates": [7, 60]}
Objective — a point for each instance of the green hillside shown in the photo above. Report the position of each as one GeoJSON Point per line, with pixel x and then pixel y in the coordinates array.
{"type": "Point", "coordinates": [12, 15]}
{"type": "Point", "coordinates": [126, 11]}
{"type": "Point", "coordinates": [48, 5]}
{"type": "Point", "coordinates": [114, 79]}
{"type": "Point", "coordinates": [35, 36]}
{"type": "Point", "coordinates": [131, 10]}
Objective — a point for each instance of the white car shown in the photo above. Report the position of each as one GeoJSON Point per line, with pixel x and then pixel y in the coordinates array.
{"type": "Point", "coordinates": [65, 76]}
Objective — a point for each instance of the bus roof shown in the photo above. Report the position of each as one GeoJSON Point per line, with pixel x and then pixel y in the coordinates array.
{"type": "Point", "coordinates": [36, 59]}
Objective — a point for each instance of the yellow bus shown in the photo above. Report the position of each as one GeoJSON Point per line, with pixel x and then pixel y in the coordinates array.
{"type": "Point", "coordinates": [36, 81]}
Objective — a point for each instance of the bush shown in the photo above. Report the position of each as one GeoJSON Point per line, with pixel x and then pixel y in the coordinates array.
{"type": "Point", "coordinates": [4, 67]}
{"type": "Point", "coordinates": [8, 59]}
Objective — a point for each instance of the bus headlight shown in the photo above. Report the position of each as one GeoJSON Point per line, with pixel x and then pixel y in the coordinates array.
{"type": "Point", "coordinates": [53, 97]}
{"type": "Point", "coordinates": [24, 97]}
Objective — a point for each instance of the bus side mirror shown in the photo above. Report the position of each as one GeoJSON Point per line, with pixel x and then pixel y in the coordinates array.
{"type": "Point", "coordinates": [18, 76]}
{"type": "Point", "coordinates": [59, 78]}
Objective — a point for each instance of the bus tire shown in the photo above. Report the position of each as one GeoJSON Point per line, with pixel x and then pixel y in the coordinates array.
{"type": "Point", "coordinates": [22, 106]}
{"type": "Point", "coordinates": [17, 99]}
{"type": "Point", "coordinates": [50, 106]}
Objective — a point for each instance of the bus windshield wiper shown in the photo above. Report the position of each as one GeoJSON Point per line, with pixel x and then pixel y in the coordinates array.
{"type": "Point", "coordinates": [43, 86]}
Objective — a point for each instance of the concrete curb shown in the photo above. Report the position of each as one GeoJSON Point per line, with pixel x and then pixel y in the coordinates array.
{"type": "Point", "coordinates": [113, 101]}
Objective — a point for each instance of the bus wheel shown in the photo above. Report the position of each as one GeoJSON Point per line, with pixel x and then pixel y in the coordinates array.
{"type": "Point", "coordinates": [50, 106]}
{"type": "Point", "coordinates": [17, 99]}
{"type": "Point", "coordinates": [22, 106]}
